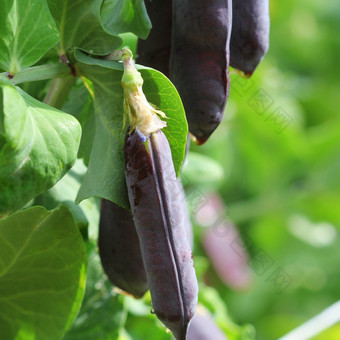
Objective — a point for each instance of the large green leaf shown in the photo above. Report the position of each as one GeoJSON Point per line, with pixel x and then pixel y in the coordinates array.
{"type": "Point", "coordinates": [27, 32]}
{"type": "Point", "coordinates": [38, 145]}
{"type": "Point", "coordinates": [80, 26]}
{"type": "Point", "coordinates": [121, 16]}
{"type": "Point", "coordinates": [105, 177]}
{"type": "Point", "coordinates": [42, 274]}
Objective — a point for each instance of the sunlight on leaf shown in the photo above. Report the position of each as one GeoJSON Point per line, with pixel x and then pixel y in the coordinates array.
{"type": "Point", "coordinates": [42, 274]}
{"type": "Point", "coordinates": [38, 145]}
{"type": "Point", "coordinates": [27, 32]}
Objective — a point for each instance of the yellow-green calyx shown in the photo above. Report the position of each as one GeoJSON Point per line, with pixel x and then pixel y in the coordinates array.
{"type": "Point", "coordinates": [139, 112]}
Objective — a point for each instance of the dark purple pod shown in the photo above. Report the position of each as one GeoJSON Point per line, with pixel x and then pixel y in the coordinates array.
{"type": "Point", "coordinates": [199, 61]}
{"type": "Point", "coordinates": [119, 249]}
{"type": "Point", "coordinates": [155, 50]}
{"type": "Point", "coordinates": [250, 35]}
{"type": "Point", "coordinates": [157, 207]}
{"type": "Point", "coordinates": [203, 327]}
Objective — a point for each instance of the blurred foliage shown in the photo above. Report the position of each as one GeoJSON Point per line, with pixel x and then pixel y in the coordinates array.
{"type": "Point", "coordinates": [282, 179]}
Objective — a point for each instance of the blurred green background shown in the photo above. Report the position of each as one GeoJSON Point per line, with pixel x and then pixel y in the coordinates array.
{"type": "Point", "coordinates": [279, 146]}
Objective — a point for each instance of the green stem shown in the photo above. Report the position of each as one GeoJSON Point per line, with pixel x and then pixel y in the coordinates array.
{"type": "Point", "coordinates": [41, 72]}
{"type": "Point", "coordinates": [319, 323]}
{"type": "Point", "coordinates": [58, 92]}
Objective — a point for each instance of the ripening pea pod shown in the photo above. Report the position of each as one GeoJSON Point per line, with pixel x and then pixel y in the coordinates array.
{"type": "Point", "coordinates": [119, 249]}
{"type": "Point", "coordinates": [199, 61]}
{"type": "Point", "coordinates": [250, 35]}
{"type": "Point", "coordinates": [157, 208]}
{"type": "Point", "coordinates": [160, 221]}
{"type": "Point", "coordinates": [155, 50]}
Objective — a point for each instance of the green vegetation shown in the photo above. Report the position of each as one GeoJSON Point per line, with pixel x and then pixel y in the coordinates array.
{"type": "Point", "coordinates": [267, 180]}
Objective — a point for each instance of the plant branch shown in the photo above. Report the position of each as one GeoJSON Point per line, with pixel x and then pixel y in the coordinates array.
{"type": "Point", "coordinates": [58, 91]}
{"type": "Point", "coordinates": [40, 72]}
{"type": "Point", "coordinates": [327, 318]}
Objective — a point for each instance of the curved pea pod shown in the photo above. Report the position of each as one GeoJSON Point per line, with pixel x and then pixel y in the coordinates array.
{"type": "Point", "coordinates": [250, 35]}
{"type": "Point", "coordinates": [120, 251]}
{"type": "Point", "coordinates": [203, 327]}
{"type": "Point", "coordinates": [160, 222]}
{"type": "Point", "coordinates": [199, 61]}
{"type": "Point", "coordinates": [155, 50]}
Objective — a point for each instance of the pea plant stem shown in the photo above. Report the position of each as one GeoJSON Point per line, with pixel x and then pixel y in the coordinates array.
{"type": "Point", "coordinates": [40, 72]}
{"type": "Point", "coordinates": [327, 318]}
{"type": "Point", "coordinates": [58, 91]}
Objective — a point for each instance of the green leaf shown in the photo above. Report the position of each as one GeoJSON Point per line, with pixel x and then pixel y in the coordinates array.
{"type": "Point", "coordinates": [105, 177]}
{"type": "Point", "coordinates": [80, 105]}
{"type": "Point", "coordinates": [42, 274]}
{"type": "Point", "coordinates": [130, 41]}
{"type": "Point", "coordinates": [38, 145]}
{"type": "Point", "coordinates": [121, 16]}
{"type": "Point", "coordinates": [80, 26]}
{"type": "Point", "coordinates": [86, 214]}
{"type": "Point", "coordinates": [27, 32]}
{"type": "Point", "coordinates": [102, 312]}
{"type": "Point", "coordinates": [161, 92]}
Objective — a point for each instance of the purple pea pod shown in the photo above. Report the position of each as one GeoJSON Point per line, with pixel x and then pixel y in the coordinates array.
{"type": "Point", "coordinates": [203, 327]}
{"type": "Point", "coordinates": [223, 244]}
{"type": "Point", "coordinates": [155, 50]}
{"type": "Point", "coordinates": [199, 61]}
{"type": "Point", "coordinates": [228, 255]}
{"type": "Point", "coordinates": [119, 249]}
{"type": "Point", "coordinates": [156, 204]}
{"type": "Point", "coordinates": [250, 35]}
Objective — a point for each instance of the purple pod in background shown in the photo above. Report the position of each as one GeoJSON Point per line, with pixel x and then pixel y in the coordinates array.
{"type": "Point", "coordinates": [223, 244]}
{"type": "Point", "coordinates": [119, 249]}
{"type": "Point", "coordinates": [199, 61]}
{"type": "Point", "coordinates": [250, 35]}
{"type": "Point", "coordinates": [203, 327]}
{"type": "Point", "coordinates": [155, 50]}
{"type": "Point", "coordinates": [227, 253]}
{"type": "Point", "coordinates": [159, 217]}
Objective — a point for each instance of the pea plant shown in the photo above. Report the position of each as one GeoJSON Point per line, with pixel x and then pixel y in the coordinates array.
{"type": "Point", "coordinates": [80, 122]}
